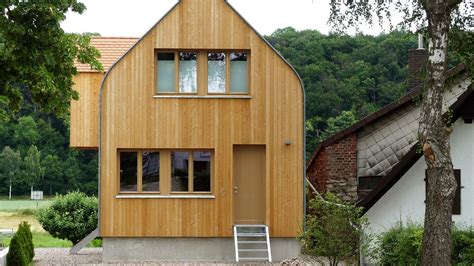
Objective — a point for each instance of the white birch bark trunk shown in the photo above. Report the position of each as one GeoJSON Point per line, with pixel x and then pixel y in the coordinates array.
{"type": "Point", "coordinates": [434, 137]}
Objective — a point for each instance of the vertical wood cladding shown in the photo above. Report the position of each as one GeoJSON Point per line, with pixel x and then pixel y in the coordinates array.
{"type": "Point", "coordinates": [133, 119]}
{"type": "Point", "coordinates": [84, 113]}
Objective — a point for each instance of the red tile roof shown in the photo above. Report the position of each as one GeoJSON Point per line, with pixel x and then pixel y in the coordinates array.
{"type": "Point", "coordinates": [110, 48]}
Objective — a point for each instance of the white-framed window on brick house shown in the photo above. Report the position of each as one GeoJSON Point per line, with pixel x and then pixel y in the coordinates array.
{"type": "Point", "coordinates": [165, 172]}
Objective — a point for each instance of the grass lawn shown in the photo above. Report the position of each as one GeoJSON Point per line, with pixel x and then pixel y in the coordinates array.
{"type": "Point", "coordinates": [44, 240]}
{"type": "Point", "coordinates": [12, 205]}
{"type": "Point", "coordinates": [41, 238]}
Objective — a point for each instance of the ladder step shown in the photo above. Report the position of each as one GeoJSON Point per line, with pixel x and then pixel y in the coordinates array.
{"type": "Point", "coordinates": [253, 250]}
{"type": "Point", "coordinates": [251, 259]}
{"type": "Point", "coordinates": [251, 234]}
{"type": "Point", "coordinates": [252, 242]}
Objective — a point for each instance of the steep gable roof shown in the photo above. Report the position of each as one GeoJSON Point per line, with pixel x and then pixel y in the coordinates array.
{"type": "Point", "coordinates": [110, 48]}
{"type": "Point", "coordinates": [410, 158]}
{"type": "Point", "coordinates": [383, 112]}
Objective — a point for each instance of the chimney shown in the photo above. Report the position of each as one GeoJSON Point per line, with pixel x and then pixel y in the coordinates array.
{"type": "Point", "coordinates": [416, 63]}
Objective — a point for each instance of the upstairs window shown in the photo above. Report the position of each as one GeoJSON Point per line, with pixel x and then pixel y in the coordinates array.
{"type": "Point", "coordinates": [184, 72]}
{"type": "Point", "coordinates": [166, 72]}
{"type": "Point", "coordinates": [216, 72]}
{"type": "Point", "coordinates": [187, 72]}
{"type": "Point", "coordinates": [239, 73]}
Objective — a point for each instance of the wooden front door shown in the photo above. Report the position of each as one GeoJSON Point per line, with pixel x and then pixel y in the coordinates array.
{"type": "Point", "coordinates": [249, 184]}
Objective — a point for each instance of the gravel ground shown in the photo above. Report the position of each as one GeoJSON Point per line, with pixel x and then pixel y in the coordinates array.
{"type": "Point", "coordinates": [93, 256]}
{"type": "Point", "coordinates": [61, 256]}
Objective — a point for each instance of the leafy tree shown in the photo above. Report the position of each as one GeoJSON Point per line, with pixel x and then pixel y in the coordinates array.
{"type": "Point", "coordinates": [438, 16]}
{"type": "Point", "coordinates": [53, 171]}
{"type": "Point", "coordinates": [334, 125]}
{"type": "Point", "coordinates": [345, 73]}
{"type": "Point", "coordinates": [333, 229]}
{"type": "Point", "coordinates": [72, 216]}
{"type": "Point", "coordinates": [10, 167]}
{"type": "Point", "coordinates": [33, 171]}
{"type": "Point", "coordinates": [37, 56]}
{"type": "Point", "coordinates": [26, 133]}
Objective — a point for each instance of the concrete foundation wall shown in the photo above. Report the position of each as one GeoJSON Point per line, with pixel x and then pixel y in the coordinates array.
{"type": "Point", "coordinates": [187, 249]}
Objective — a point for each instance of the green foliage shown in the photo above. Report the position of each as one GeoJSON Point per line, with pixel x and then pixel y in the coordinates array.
{"type": "Point", "coordinates": [33, 171]}
{"type": "Point", "coordinates": [59, 169]}
{"type": "Point", "coordinates": [333, 229]}
{"type": "Point", "coordinates": [402, 245]}
{"type": "Point", "coordinates": [16, 254]}
{"type": "Point", "coordinates": [21, 250]}
{"type": "Point", "coordinates": [37, 56]}
{"type": "Point", "coordinates": [463, 246]}
{"type": "Point", "coordinates": [24, 231]}
{"type": "Point", "coordinates": [334, 125]}
{"type": "Point", "coordinates": [72, 216]}
{"type": "Point", "coordinates": [10, 166]}
{"type": "Point", "coordinates": [345, 73]}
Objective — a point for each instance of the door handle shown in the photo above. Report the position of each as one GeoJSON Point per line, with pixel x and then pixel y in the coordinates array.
{"type": "Point", "coordinates": [235, 189]}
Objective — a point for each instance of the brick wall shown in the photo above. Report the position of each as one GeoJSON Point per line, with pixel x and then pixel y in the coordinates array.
{"type": "Point", "coordinates": [416, 63]}
{"type": "Point", "coordinates": [335, 169]}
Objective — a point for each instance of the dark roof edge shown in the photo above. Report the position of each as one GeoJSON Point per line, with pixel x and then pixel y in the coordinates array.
{"type": "Point", "coordinates": [407, 161]}
{"type": "Point", "coordinates": [386, 110]}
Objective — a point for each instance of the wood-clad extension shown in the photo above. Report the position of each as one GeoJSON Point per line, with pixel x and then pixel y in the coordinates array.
{"type": "Point", "coordinates": [132, 118]}
{"type": "Point", "coordinates": [85, 111]}
{"type": "Point", "coordinates": [84, 124]}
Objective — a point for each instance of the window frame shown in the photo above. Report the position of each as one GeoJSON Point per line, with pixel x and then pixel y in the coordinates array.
{"type": "Point", "coordinates": [191, 173]}
{"type": "Point", "coordinates": [203, 72]}
{"type": "Point", "coordinates": [165, 188]}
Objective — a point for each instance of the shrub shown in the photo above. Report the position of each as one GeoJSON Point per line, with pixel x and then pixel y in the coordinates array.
{"type": "Point", "coordinates": [16, 254]}
{"type": "Point", "coordinates": [463, 246]}
{"type": "Point", "coordinates": [333, 230]}
{"type": "Point", "coordinates": [21, 250]}
{"type": "Point", "coordinates": [24, 232]}
{"type": "Point", "coordinates": [402, 245]}
{"type": "Point", "coordinates": [72, 216]}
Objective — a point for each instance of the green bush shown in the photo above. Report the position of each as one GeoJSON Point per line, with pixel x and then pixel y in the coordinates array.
{"type": "Point", "coordinates": [463, 246]}
{"type": "Point", "coordinates": [24, 231]}
{"type": "Point", "coordinates": [72, 216]}
{"type": "Point", "coordinates": [16, 254]}
{"type": "Point", "coordinates": [21, 250]}
{"type": "Point", "coordinates": [333, 230]}
{"type": "Point", "coordinates": [402, 245]}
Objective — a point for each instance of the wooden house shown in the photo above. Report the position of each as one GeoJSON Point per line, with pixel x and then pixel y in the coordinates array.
{"type": "Point", "coordinates": [200, 133]}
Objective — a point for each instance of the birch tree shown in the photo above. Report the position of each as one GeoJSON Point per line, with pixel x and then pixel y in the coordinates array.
{"type": "Point", "coordinates": [441, 20]}
{"type": "Point", "coordinates": [33, 170]}
{"type": "Point", "coordinates": [10, 167]}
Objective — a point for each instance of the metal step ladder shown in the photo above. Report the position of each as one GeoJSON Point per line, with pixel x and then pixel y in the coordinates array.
{"type": "Point", "coordinates": [252, 243]}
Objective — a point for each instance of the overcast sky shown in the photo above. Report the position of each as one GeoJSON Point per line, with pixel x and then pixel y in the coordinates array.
{"type": "Point", "coordinates": [132, 18]}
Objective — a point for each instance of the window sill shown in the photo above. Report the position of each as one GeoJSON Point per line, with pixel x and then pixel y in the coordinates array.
{"type": "Point", "coordinates": [202, 97]}
{"type": "Point", "coordinates": [124, 196]}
